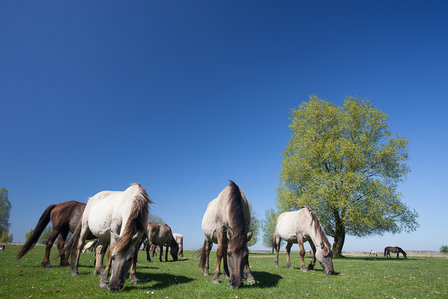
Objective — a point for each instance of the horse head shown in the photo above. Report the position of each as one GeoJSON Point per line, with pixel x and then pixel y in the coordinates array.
{"type": "Point", "coordinates": [324, 256]}
{"type": "Point", "coordinates": [237, 256]}
{"type": "Point", "coordinates": [174, 249]}
{"type": "Point", "coordinates": [121, 262]}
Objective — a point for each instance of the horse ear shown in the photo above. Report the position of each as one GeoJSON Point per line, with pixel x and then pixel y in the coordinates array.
{"type": "Point", "coordinates": [229, 233]}
{"type": "Point", "coordinates": [249, 235]}
{"type": "Point", "coordinates": [322, 245]}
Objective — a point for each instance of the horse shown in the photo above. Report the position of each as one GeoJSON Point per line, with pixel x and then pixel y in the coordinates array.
{"type": "Point", "coordinates": [298, 227]}
{"type": "Point", "coordinates": [64, 217]}
{"type": "Point", "coordinates": [180, 242]}
{"type": "Point", "coordinates": [373, 253]}
{"type": "Point", "coordinates": [394, 249]}
{"type": "Point", "coordinates": [2, 247]}
{"type": "Point", "coordinates": [160, 235]}
{"type": "Point", "coordinates": [227, 223]}
{"type": "Point", "coordinates": [117, 218]}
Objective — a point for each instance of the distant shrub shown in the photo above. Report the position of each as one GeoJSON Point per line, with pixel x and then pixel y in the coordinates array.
{"type": "Point", "coordinates": [444, 249]}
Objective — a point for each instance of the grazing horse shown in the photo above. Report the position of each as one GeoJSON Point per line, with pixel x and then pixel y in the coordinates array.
{"type": "Point", "coordinates": [180, 242]}
{"type": "Point", "coordinates": [64, 216]}
{"type": "Point", "coordinates": [160, 235]}
{"type": "Point", "coordinates": [2, 247]}
{"type": "Point", "coordinates": [394, 249]}
{"type": "Point", "coordinates": [227, 222]}
{"type": "Point", "coordinates": [299, 227]}
{"type": "Point", "coordinates": [373, 253]}
{"type": "Point", "coordinates": [117, 218]}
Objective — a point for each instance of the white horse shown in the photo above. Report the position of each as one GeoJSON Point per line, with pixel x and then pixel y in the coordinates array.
{"type": "Point", "coordinates": [118, 218]}
{"type": "Point", "coordinates": [227, 222]}
{"type": "Point", "coordinates": [373, 253]}
{"type": "Point", "coordinates": [180, 242]}
{"type": "Point", "coordinates": [299, 227]}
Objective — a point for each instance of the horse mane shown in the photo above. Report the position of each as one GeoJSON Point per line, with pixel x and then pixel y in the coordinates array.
{"type": "Point", "coordinates": [236, 217]}
{"type": "Point", "coordinates": [317, 227]}
{"type": "Point", "coordinates": [138, 217]}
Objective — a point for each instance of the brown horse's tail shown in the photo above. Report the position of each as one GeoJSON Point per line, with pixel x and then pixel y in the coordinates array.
{"type": "Point", "coordinates": [71, 246]}
{"type": "Point", "coordinates": [40, 226]}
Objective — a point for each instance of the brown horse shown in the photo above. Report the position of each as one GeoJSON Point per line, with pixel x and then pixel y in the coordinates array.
{"type": "Point", "coordinates": [394, 249]}
{"type": "Point", "coordinates": [64, 216]}
{"type": "Point", "coordinates": [160, 235]}
{"type": "Point", "coordinates": [227, 222]}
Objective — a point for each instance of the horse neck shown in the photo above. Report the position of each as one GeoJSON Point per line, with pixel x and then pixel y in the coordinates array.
{"type": "Point", "coordinates": [315, 231]}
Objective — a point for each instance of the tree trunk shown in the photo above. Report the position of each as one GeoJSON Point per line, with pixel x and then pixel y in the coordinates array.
{"type": "Point", "coordinates": [339, 236]}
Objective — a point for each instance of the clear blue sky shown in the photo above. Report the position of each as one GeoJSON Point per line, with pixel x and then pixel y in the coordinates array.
{"type": "Point", "coordinates": [182, 95]}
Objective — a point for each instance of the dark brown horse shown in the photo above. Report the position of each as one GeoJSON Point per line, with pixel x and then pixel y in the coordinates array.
{"type": "Point", "coordinates": [160, 235]}
{"type": "Point", "coordinates": [394, 249]}
{"type": "Point", "coordinates": [64, 217]}
{"type": "Point", "coordinates": [227, 222]}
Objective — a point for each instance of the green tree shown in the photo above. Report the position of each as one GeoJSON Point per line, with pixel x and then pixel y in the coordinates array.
{"type": "Point", "coordinates": [155, 218]}
{"type": "Point", "coordinates": [5, 237]}
{"type": "Point", "coordinates": [254, 226]}
{"type": "Point", "coordinates": [345, 164]}
{"type": "Point", "coordinates": [5, 208]}
{"type": "Point", "coordinates": [268, 227]}
{"type": "Point", "coordinates": [46, 235]}
{"type": "Point", "coordinates": [28, 235]}
{"type": "Point", "coordinates": [444, 249]}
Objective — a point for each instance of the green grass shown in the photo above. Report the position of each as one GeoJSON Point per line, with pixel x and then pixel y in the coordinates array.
{"type": "Point", "coordinates": [355, 277]}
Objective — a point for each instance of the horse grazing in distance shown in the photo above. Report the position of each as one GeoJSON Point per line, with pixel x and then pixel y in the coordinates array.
{"type": "Point", "coordinates": [394, 249]}
{"type": "Point", "coordinates": [227, 222]}
{"type": "Point", "coordinates": [373, 253]}
{"type": "Point", "coordinates": [117, 218]}
{"type": "Point", "coordinates": [299, 227]}
{"type": "Point", "coordinates": [64, 217]}
{"type": "Point", "coordinates": [160, 235]}
{"type": "Point", "coordinates": [180, 242]}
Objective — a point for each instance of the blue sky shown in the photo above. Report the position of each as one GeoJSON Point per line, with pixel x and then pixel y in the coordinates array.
{"type": "Point", "coordinates": [181, 96]}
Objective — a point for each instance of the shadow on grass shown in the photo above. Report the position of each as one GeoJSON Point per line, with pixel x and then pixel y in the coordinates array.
{"type": "Point", "coordinates": [164, 280]}
{"type": "Point", "coordinates": [264, 280]}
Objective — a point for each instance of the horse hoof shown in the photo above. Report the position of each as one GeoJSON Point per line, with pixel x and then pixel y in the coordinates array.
{"type": "Point", "coordinates": [103, 284]}
{"type": "Point", "coordinates": [251, 282]}
{"type": "Point", "coordinates": [47, 265]}
{"type": "Point", "coordinates": [304, 269]}
{"type": "Point", "coordinates": [216, 281]}
{"type": "Point", "coordinates": [206, 274]}
{"type": "Point", "coordinates": [290, 267]}
{"type": "Point", "coordinates": [276, 266]}
{"type": "Point", "coordinates": [75, 273]}
{"type": "Point", "coordinates": [134, 281]}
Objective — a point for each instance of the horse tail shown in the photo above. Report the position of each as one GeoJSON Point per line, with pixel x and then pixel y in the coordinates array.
{"type": "Point", "coordinates": [40, 226]}
{"type": "Point", "coordinates": [273, 242]}
{"type": "Point", "coordinates": [72, 245]}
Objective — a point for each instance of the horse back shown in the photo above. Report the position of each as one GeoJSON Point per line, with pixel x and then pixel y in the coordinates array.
{"type": "Point", "coordinates": [291, 225]}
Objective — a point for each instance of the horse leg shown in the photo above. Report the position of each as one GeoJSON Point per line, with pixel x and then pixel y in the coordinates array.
{"type": "Point", "coordinates": [148, 248]}
{"type": "Point", "coordinates": [247, 274]}
{"type": "Point", "coordinates": [219, 253]}
{"type": "Point", "coordinates": [133, 273]}
{"type": "Point", "coordinates": [313, 262]}
{"type": "Point", "coordinates": [207, 248]}
{"type": "Point", "coordinates": [100, 250]}
{"type": "Point", "coordinates": [302, 254]}
{"type": "Point", "coordinates": [166, 253]}
{"type": "Point", "coordinates": [46, 261]}
{"type": "Point", "coordinates": [161, 253]}
{"type": "Point", "coordinates": [225, 265]}
{"type": "Point", "coordinates": [277, 249]}
{"type": "Point", "coordinates": [61, 242]}
{"type": "Point", "coordinates": [104, 277]}
{"type": "Point", "coordinates": [79, 247]}
{"type": "Point", "coordinates": [288, 258]}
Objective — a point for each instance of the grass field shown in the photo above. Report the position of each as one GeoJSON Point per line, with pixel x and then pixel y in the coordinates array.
{"type": "Point", "coordinates": [355, 277]}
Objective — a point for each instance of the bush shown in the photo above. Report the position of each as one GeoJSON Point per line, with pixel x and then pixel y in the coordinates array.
{"type": "Point", "coordinates": [444, 249]}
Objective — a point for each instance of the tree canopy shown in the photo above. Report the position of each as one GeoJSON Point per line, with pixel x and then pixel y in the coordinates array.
{"type": "Point", "coordinates": [345, 164]}
{"type": "Point", "coordinates": [5, 208]}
